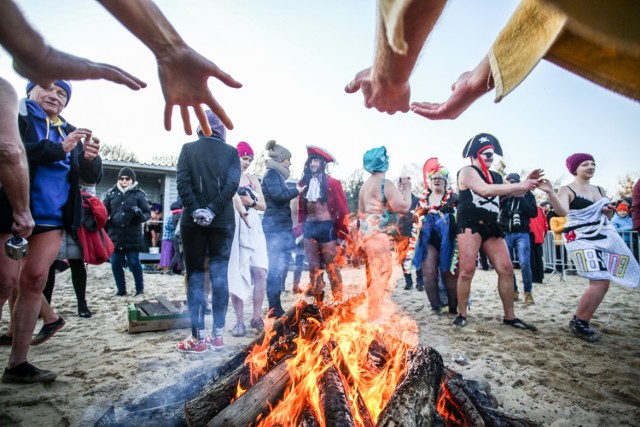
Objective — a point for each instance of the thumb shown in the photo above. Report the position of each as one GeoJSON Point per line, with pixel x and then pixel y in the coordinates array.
{"type": "Point", "coordinates": [353, 86]}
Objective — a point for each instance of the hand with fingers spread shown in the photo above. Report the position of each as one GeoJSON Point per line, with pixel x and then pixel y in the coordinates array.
{"type": "Point", "coordinates": [184, 74]}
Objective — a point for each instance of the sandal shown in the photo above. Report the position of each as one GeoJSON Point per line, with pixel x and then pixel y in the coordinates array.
{"type": "Point", "coordinates": [239, 330]}
{"type": "Point", "coordinates": [517, 323]}
{"type": "Point", "coordinates": [258, 324]}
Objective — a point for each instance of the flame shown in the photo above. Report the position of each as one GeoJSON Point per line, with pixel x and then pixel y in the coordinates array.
{"type": "Point", "coordinates": [349, 340]}
{"type": "Point", "coordinates": [447, 408]}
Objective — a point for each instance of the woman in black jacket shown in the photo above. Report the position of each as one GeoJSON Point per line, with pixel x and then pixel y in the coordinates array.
{"type": "Point", "coordinates": [128, 208]}
{"type": "Point", "coordinates": [277, 223]}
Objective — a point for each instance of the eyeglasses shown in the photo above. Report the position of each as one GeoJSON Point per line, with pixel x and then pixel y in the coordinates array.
{"type": "Point", "coordinates": [487, 155]}
{"type": "Point", "coordinates": [437, 178]}
{"type": "Point", "coordinates": [124, 178]}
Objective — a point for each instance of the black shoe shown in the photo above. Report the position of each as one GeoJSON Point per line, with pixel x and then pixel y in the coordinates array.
{"type": "Point", "coordinates": [83, 310]}
{"type": "Point", "coordinates": [275, 313]}
{"type": "Point", "coordinates": [120, 293]}
{"type": "Point", "coordinates": [26, 373]}
{"type": "Point", "coordinates": [139, 293]}
{"type": "Point", "coordinates": [419, 288]}
{"type": "Point", "coordinates": [6, 340]}
{"type": "Point", "coordinates": [47, 331]}
{"type": "Point", "coordinates": [460, 321]}
{"type": "Point", "coordinates": [581, 329]}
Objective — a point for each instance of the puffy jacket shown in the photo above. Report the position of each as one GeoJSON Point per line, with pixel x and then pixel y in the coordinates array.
{"type": "Point", "coordinates": [556, 224]}
{"type": "Point", "coordinates": [277, 196]}
{"type": "Point", "coordinates": [125, 225]}
{"type": "Point", "coordinates": [208, 175]}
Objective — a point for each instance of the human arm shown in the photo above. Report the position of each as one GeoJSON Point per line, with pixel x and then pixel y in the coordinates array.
{"type": "Point", "coordinates": [277, 188]}
{"type": "Point", "coordinates": [141, 209]}
{"type": "Point", "coordinates": [183, 72]}
{"type": "Point", "coordinates": [341, 209]}
{"type": "Point", "coordinates": [230, 187]}
{"type": "Point", "coordinates": [90, 165]}
{"type": "Point", "coordinates": [35, 60]}
{"type": "Point", "coordinates": [385, 85]}
{"type": "Point", "coordinates": [560, 201]}
{"type": "Point", "coordinates": [14, 169]}
{"type": "Point", "coordinates": [261, 205]}
{"type": "Point", "coordinates": [557, 224]}
{"type": "Point", "coordinates": [470, 86]}
{"type": "Point", "coordinates": [398, 201]}
{"type": "Point", "coordinates": [528, 205]}
{"type": "Point", "coordinates": [470, 179]}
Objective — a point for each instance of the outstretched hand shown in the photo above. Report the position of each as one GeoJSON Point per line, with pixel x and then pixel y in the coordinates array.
{"type": "Point", "coordinates": [56, 65]}
{"type": "Point", "coordinates": [470, 86]}
{"type": "Point", "coordinates": [183, 76]}
{"type": "Point", "coordinates": [383, 96]}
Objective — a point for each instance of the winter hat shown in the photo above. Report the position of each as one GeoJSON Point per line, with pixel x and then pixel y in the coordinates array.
{"type": "Point", "coordinates": [574, 160]}
{"type": "Point", "coordinates": [277, 152]}
{"type": "Point", "coordinates": [244, 149]}
{"type": "Point", "coordinates": [127, 171]}
{"type": "Point", "coordinates": [216, 126]}
{"type": "Point", "coordinates": [513, 177]}
{"type": "Point", "coordinates": [156, 207]}
{"type": "Point", "coordinates": [64, 84]}
{"type": "Point", "coordinates": [376, 160]}
{"type": "Point", "coordinates": [622, 207]}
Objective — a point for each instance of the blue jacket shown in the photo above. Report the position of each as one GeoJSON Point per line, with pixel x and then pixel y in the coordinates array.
{"type": "Point", "coordinates": [277, 196]}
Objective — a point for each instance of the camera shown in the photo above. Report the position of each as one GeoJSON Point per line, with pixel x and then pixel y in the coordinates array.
{"type": "Point", "coordinates": [515, 221]}
{"type": "Point", "coordinates": [16, 247]}
{"type": "Point", "coordinates": [242, 191]}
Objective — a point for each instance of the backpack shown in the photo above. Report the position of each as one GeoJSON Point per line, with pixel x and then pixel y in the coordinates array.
{"type": "Point", "coordinates": [95, 242]}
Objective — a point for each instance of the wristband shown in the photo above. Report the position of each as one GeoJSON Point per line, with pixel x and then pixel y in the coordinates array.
{"type": "Point", "coordinates": [254, 204]}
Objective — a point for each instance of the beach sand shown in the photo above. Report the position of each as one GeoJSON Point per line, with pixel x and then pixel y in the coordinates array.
{"type": "Point", "coordinates": [549, 377]}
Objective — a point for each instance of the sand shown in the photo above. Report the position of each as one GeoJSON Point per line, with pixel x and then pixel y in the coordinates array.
{"type": "Point", "coordinates": [549, 377]}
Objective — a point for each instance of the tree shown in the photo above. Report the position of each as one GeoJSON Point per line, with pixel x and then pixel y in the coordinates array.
{"type": "Point", "coordinates": [166, 160]}
{"type": "Point", "coordinates": [501, 167]}
{"type": "Point", "coordinates": [625, 186]}
{"type": "Point", "coordinates": [352, 187]}
{"type": "Point", "coordinates": [118, 153]}
{"type": "Point", "coordinates": [414, 171]}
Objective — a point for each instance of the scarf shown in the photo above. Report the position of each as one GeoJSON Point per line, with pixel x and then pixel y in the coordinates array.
{"type": "Point", "coordinates": [124, 190]}
{"type": "Point", "coordinates": [277, 166]}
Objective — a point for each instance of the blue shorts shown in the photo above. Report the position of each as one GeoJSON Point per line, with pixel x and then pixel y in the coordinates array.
{"type": "Point", "coordinates": [321, 231]}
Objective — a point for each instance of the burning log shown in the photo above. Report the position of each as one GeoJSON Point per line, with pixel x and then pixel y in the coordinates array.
{"type": "Point", "coordinates": [333, 397]}
{"type": "Point", "coordinates": [414, 401]}
{"type": "Point", "coordinates": [257, 401]}
{"type": "Point", "coordinates": [308, 418]}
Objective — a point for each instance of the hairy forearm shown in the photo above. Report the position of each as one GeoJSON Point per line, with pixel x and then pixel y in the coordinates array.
{"type": "Point", "coordinates": [14, 175]}
{"type": "Point", "coordinates": [17, 36]}
{"type": "Point", "coordinates": [145, 20]}
{"type": "Point", "coordinates": [419, 20]}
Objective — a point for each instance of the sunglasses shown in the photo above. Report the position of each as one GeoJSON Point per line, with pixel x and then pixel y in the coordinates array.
{"type": "Point", "coordinates": [124, 178]}
{"type": "Point", "coordinates": [488, 155]}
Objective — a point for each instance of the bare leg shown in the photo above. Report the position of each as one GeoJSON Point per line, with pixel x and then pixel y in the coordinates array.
{"type": "Point", "coordinates": [451, 283]}
{"type": "Point", "coordinates": [468, 246]}
{"type": "Point", "coordinates": [496, 250]}
{"type": "Point", "coordinates": [32, 277]}
{"type": "Point", "coordinates": [238, 308]}
{"type": "Point", "coordinates": [259, 290]}
{"type": "Point", "coordinates": [378, 272]}
{"type": "Point", "coordinates": [312, 251]}
{"type": "Point", "coordinates": [430, 276]}
{"type": "Point", "coordinates": [591, 299]}
{"type": "Point", "coordinates": [329, 253]}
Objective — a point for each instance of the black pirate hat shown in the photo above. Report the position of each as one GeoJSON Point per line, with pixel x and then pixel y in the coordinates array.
{"type": "Point", "coordinates": [479, 143]}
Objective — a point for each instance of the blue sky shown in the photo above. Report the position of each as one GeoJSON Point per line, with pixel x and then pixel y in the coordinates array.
{"type": "Point", "coordinates": [294, 58]}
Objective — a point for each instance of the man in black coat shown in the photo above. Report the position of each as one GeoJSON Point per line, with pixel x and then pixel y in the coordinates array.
{"type": "Point", "coordinates": [208, 177]}
{"type": "Point", "coordinates": [128, 209]}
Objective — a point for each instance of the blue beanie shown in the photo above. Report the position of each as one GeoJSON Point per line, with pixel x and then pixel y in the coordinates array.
{"type": "Point", "coordinates": [376, 160]}
{"type": "Point", "coordinates": [64, 84]}
{"type": "Point", "coordinates": [217, 127]}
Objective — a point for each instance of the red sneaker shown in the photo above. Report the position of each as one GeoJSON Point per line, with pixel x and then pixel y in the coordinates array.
{"type": "Point", "coordinates": [191, 345]}
{"type": "Point", "coordinates": [214, 343]}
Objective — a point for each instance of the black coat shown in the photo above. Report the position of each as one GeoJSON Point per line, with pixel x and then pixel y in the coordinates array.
{"type": "Point", "coordinates": [124, 225]}
{"type": "Point", "coordinates": [277, 196]}
{"type": "Point", "coordinates": [208, 175]}
{"type": "Point", "coordinates": [525, 206]}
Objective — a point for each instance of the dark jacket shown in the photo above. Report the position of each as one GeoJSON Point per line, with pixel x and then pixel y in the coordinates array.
{"type": "Point", "coordinates": [124, 225]}
{"type": "Point", "coordinates": [524, 206]}
{"type": "Point", "coordinates": [208, 175]}
{"type": "Point", "coordinates": [277, 196]}
{"type": "Point", "coordinates": [44, 151]}
{"type": "Point", "coordinates": [405, 221]}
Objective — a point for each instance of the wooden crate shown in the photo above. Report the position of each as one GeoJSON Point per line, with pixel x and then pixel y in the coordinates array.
{"type": "Point", "coordinates": [158, 315]}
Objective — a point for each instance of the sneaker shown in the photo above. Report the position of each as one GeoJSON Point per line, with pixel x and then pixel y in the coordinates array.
{"type": "Point", "coordinates": [239, 330]}
{"type": "Point", "coordinates": [460, 321]}
{"type": "Point", "coordinates": [581, 329]}
{"type": "Point", "coordinates": [47, 331]}
{"type": "Point", "coordinates": [528, 298]}
{"type": "Point", "coordinates": [26, 373]}
{"type": "Point", "coordinates": [191, 345]}
{"type": "Point", "coordinates": [214, 343]}
{"type": "Point", "coordinates": [516, 296]}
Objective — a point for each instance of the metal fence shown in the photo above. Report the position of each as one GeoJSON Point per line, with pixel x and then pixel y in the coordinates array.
{"type": "Point", "coordinates": [557, 260]}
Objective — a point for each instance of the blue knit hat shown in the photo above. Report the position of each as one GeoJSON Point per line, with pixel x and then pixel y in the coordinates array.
{"type": "Point", "coordinates": [216, 126]}
{"type": "Point", "coordinates": [64, 84]}
{"type": "Point", "coordinates": [376, 160]}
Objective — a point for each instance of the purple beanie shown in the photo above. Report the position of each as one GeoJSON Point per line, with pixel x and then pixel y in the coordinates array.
{"type": "Point", "coordinates": [574, 160]}
{"type": "Point", "coordinates": [216, 125]}
{"type": "Point", "coordinates": [244, 149]}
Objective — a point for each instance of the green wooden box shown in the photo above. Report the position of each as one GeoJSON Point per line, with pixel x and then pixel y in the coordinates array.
{"type": "Point", "coordinates": [147, 316]}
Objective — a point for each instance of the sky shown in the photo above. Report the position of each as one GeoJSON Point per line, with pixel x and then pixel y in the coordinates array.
{"type": "Point", "coordinates": [294, 59]}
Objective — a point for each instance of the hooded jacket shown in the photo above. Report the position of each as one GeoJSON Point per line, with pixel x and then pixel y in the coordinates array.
{"type": "Point", "coordinates": [125, 225]}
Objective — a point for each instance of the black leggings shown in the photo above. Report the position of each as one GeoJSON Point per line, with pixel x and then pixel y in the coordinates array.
{"type": "Point", "coordinates": [78, 278]}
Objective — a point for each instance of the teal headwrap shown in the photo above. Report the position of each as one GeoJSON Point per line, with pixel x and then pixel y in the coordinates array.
{"type": "Point", "coordinates": [376, 160]}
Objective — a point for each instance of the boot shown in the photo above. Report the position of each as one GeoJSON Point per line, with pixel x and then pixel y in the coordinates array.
{"type": "Point", "coordinates": [409, 281]}
{"type": "Point", "coordinates": [83, 310]}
